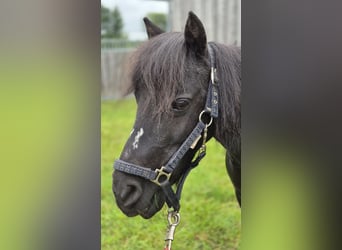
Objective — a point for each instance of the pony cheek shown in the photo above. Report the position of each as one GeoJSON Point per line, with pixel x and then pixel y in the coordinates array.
{"type": "Point", "coordinates": [125, 154]}
{"type": "Point", "coordinates": [183, 128]}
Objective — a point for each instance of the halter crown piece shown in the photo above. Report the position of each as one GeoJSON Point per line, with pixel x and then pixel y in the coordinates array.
{"type": "Point", "coordinates": [162, 175]}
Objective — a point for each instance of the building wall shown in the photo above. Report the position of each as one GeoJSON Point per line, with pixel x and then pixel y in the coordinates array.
{"type": "Point", "coordinates": [221, 18]}
{"type": "Point", "coordinates": [115, 65]}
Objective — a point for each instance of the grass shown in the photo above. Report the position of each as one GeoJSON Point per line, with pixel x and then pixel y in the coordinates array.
{"type": "Point", "coordinates": [210, 215]}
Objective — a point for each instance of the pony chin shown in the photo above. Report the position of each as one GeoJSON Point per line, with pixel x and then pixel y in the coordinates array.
{"type": "Point", "coordinates": [156, 204]}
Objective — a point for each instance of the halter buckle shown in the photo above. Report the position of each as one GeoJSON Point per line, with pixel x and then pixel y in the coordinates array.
{"type": "Point", "coordinates": [162, 176]}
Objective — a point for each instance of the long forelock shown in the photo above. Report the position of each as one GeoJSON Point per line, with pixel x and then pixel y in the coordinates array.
{"type": "Point", "coordinates": [159, 69]}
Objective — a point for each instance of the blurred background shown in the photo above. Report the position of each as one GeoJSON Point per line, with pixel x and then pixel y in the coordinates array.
{"type": "Point", "coordinates": [50, 108]}
{"type": "Point", "coordinates": [122, 30]}
{"type": "Point", "coordinates": [204, 206]}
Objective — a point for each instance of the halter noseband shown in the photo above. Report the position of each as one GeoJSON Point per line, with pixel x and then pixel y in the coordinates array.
{"type": "Point", "coordinates": [162, 175]}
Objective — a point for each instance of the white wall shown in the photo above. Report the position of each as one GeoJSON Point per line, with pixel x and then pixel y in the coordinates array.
{"type": "Point", "coordinates": [221, 18]}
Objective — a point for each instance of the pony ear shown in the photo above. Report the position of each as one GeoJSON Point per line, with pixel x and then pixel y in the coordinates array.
{"type": "Point", "coordinates": [195, 37]}
{"type": "Point", "coordinates": [152, 29]}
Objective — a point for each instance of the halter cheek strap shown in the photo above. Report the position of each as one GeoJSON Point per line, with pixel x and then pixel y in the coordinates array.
{"type": "Point", "coordinates": [161, 176]}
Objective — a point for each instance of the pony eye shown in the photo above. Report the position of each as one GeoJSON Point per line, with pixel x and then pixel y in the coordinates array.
{"type": "Point", "coordinates": [180, 104]}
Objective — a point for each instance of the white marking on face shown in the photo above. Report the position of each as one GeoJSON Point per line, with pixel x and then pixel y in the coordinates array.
{"type": "Point", "coordinates": [131, 132]}
{"type": "Point", "coordinates": [137, 138]}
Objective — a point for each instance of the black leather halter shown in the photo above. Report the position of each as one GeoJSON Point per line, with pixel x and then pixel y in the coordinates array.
{"type": "Point", "coordinates": [161, 176]}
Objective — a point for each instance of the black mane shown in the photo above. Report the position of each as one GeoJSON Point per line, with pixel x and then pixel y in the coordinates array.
{"type": "Point", "coordinates": [228, 64]}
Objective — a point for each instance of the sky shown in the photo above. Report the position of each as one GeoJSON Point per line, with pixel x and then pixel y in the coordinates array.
{"type": "Point", "coordinates": [133, 11]}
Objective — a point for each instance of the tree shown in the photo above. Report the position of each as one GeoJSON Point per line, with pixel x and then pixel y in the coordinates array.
{"type": "Point", "coordinates": [158, 19]}
{"type": "Point", "coordinates": [111, 23]}
{"type": "Point", "coordinates": [105, 20]}
{"type": "Point", "coordinates": [105, 12]}
{"type": "Point", "coordinates": [117, 23]}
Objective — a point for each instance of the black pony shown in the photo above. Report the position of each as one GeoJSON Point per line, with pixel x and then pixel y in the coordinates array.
{"type": "Point", "coordinates": [170, 78]}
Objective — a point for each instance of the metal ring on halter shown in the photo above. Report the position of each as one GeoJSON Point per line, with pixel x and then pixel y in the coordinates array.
{"type": "Point", "coordinates": [200, 118]}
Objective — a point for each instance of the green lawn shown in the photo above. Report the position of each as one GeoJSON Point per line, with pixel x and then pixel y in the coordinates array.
{"type": "Point", "coordinates": [210, 215]}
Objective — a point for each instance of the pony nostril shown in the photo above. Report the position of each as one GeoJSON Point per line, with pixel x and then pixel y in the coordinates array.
{"type": "Point", "coordinates": [130, 195]}
{"type": "Point", "coordinates": [125, 192]}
